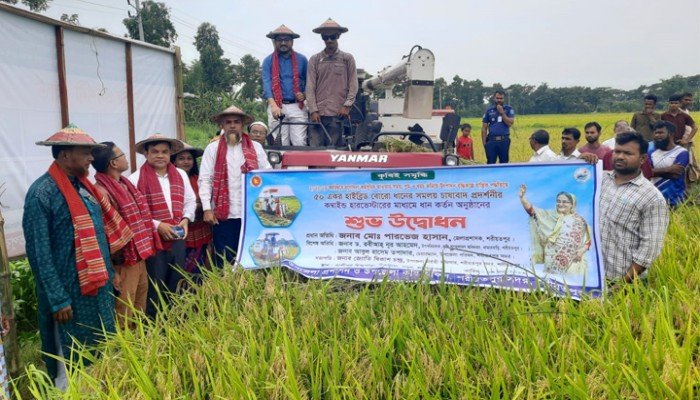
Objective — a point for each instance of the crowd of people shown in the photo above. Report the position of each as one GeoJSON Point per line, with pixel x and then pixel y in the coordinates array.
{"type": "Point", "coordinates": [668, 162]}
{"type": "Point", "coordinates": [100, 251]}
{"type": "Point", "coordinates": [649, 164]}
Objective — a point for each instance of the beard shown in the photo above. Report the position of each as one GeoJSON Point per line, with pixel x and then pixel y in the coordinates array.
{"type": "Point", "coordinates": [662, 144]}
{"type": "Point", "coordinates": [233, 137]}
{"type": "Point", "coordinates": [626, 170]}
{"type": "Point", "coordinates": [591, 140]}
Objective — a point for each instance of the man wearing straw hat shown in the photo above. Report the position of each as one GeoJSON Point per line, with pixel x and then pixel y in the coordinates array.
{"type": "Point", "coordinates": [331, 86]}
{"type": "Point", "coordinates": [284, 82]}
{"type": "Point", "coordinates": [131, 277]}
{"type": "Point", "coordinates": [70, 230]}
{"type": "Point", "coordinates": [172, 204]}
{"type": "Point", "coordinates": [223, 163]}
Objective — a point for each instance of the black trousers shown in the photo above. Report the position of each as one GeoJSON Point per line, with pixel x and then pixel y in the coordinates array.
{"type": "Point", "coordinates": [226, 235]}
{"type": "Point", "coordinates": [334, 126]}
{"type": "Point", "coordinates": [163, 276]}
{"type": "Point", "coordinates": [497, 149]}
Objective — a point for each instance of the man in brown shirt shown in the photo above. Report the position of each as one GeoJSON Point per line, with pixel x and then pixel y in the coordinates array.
{"type": "Point", "coordinates": [644, 121]}
{"type": "Point", "coordinates": [680, 120]}
{"type": "Point", "coordinates": [331, 87]}
{"type": "Point", "coordinates": [693, 174]}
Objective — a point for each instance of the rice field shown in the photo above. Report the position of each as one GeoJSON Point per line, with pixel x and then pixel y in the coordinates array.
{"type": "Point", "coordinates": [273, 335]}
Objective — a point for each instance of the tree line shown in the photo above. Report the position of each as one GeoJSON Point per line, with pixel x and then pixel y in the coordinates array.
{"type": "Point", "coordinates": [468, 97]}
{"type": "Point", "coordinates": [212, 79]}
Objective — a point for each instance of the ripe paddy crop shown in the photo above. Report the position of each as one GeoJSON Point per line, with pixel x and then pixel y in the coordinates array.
{"type": "Point", "coordinates": [273, 335]}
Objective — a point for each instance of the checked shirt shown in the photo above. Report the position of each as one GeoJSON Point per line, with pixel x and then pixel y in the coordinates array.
{"type": "Point", "coordinates": [633, 222]}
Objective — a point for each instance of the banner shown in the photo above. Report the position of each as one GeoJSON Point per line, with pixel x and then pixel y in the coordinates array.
{"type": "Point", "coordinates": [514, 226]}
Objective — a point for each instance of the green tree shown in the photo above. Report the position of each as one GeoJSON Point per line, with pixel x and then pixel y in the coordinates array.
{"type": "Point", "coordinates": [519, 96]}
{"type": "Point", "coordinates": [439, 92]}
{"type": "Point", "coordinates": [247, 74]}
{"type": "Point", "coordinates": [193, 77]}
{"type": "Point", "coordinates": [216, 70]}
{"type": "Point", "coordinates": [34, 5]}
{"type": "Point", "coordinates": [157, 27]}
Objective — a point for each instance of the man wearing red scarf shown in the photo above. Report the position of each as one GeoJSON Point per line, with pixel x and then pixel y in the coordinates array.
{"type": "Point", "coordinates": [131, 278]}
{"type": "Point", "coordinates": [172, 204]}
{"type": "Point", "coordinates": [223, 164]}
{"type": "Point", "coordinates": [284, 82]}
{"type": "Point", "coordinates": [70, 230]}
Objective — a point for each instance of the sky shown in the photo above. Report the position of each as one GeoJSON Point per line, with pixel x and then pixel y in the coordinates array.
{"type": "Point", "coordinates": [597, 43]}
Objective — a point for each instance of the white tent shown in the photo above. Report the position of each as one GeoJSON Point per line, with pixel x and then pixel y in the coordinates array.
{"type": "Point", "coordinates": [53, 73]}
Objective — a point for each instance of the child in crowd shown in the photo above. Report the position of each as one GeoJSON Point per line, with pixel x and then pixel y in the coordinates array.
{"type": "Point", "coordinates": [464, 143]}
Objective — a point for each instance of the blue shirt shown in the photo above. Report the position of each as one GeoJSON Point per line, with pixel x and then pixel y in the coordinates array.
{"type": "Point", "coordinates": [496, 125]}
{"type": "Point", "coordinates": [286, 76]}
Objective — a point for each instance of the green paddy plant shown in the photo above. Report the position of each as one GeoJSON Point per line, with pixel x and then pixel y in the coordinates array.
{"type": "Point", "coordinates": [273, 334]}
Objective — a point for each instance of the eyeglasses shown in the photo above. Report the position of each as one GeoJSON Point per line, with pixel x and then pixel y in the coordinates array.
{"type": "Point", "coordinates": [121, 155]}
{"type": "Point", "coordinates": [334, 36]}
{"type": "Point", "coordinates": [283, 39]}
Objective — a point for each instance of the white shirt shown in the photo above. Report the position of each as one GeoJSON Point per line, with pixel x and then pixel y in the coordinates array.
{"type": "Point", "coordinates": [609, 143]}
{"type": "Point", "coordinates": [572, 156]}
{"type": "Point", "coordinates": [544, 154]}
{"type": "Point", "coordinates": [664, 159]}
{"type": "Point", "coordinates": [234, 161]}
{"type": "Point", "coordinates": [190, 201]}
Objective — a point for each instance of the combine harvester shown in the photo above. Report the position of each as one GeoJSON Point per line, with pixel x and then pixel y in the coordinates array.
{"type": "Point", "coordinates": [409, 117]}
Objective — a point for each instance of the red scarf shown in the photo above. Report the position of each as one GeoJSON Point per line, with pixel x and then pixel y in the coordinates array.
{"type": "Point", "coordinates": [132, 206]}
{"type": "Point", "coordinates": [149, 186]}
{"type": "Point", "coordinates": [199, 233]}
{"type": "Point", "coordinates": [89, 261]}
{"type": "Point", "coordinates": [277, 80]}
{"type": "Point", "coordinates": [220, 194]}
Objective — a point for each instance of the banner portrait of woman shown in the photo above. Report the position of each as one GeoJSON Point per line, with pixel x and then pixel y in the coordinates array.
{"type": "Point", "coordinates": [560, 237]}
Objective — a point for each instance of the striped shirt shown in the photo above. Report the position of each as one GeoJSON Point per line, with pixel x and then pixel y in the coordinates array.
{"type": "Point", "coordinates": [633, 223]}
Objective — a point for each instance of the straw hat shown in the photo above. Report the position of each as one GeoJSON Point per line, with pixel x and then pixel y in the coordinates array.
{"type": "Point", "coordinates": [196, 151]}
{"type": "Point", "coordinates": [281, 31]}
{"type": "Point", "coordinates": [330, 25]}
{"type": "Point", "coordinates": [70, 136]}
{"type": "Point", "coordinates": [175, 145]}
{"type": "Point", "coordinates": [233, 110]}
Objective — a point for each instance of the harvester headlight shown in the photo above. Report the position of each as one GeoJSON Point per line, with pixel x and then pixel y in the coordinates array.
{"type": "Point", "coordinates": [274, 157]}
{"type": "Point", "coordinates": [451, 160]}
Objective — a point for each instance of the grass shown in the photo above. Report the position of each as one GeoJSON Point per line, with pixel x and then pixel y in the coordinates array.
{"type": "Point", "coordinates": [199, 135]}
{"type": "Point", "coordinates": [271, 334]}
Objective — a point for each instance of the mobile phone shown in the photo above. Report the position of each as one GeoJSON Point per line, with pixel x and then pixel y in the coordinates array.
{"type": "Point", "coordinates": [179, 231]}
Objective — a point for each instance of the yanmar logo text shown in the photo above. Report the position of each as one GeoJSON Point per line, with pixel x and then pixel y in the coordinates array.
{"type": "Point", "coordinates": [359, 158]}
